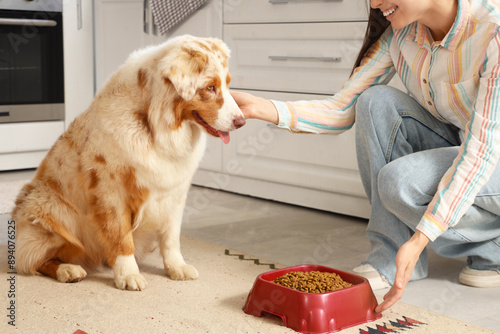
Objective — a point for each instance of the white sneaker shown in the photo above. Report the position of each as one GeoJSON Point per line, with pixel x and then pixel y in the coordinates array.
{"type": "Point", "coordinates": [377, 281]}
{"type": "Point", "coordinates": [479, 278]}
{"type": "Point", "coordinates": [364, 268]}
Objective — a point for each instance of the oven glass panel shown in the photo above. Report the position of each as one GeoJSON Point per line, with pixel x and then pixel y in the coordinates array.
{"type": "Point", "coordinates": [31, 58]}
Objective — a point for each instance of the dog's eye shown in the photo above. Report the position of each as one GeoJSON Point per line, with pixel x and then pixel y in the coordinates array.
{"type": "Point", "coordinates": [211, 88]}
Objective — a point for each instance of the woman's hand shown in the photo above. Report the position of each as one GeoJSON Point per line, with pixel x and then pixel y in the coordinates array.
{"type": "Point", "coordinates": [406, 259]}
{"type": "Point", "coordinates": [256, 107]}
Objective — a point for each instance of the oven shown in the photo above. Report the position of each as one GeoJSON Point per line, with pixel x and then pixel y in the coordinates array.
{"type": "Point", "coordinates": [31, 61]}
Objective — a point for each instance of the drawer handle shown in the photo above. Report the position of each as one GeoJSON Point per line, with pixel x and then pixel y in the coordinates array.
{"type": "Point", "coordinates": [329, 59]}
{"type": "Point", "coordinates": [79, 20]}
{"type": "Point", "coordinates": [27, 22]}
{"type": "Point", "coordinates": [286, 1]}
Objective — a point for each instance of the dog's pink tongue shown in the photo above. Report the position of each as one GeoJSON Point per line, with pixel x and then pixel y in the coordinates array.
{"type": "Point", "coordinates": [224, 136]}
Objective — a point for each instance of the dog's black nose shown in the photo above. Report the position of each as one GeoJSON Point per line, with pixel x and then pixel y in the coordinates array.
{"type": "Point", "coordinates": [239, 122]}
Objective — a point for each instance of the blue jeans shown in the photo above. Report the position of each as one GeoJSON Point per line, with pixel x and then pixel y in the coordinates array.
{"type": "Point", "coordinates": [403, 152]}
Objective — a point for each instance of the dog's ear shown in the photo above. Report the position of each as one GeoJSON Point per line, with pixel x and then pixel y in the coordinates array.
{"type": "Point", "coordinates": [183, 69]}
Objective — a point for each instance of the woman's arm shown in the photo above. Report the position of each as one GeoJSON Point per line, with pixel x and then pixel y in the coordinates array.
{"type": "Point", "coordinates": [478, 155]}
{"type": "Point", "coordinates": [331, 115]}
{"type": "Point", "coordinates": [256, 107]}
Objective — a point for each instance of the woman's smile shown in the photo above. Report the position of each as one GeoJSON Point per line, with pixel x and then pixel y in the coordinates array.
{"type": "Point", "coordinates": [388, 13]}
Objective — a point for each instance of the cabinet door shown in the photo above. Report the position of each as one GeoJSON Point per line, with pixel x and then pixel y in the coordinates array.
{"type": "Point", "coordinates": [32, 140]}
{"type": "Point", "coordinates": [119, 31]}
{"type": "Point", "coordinates": [78, 57]}
{"type": "Point", "coordinates": [316, 171]}
{"type": "Point", "coordinates": [323, 162]}
{"type": "Point", "coordinates": [307, 58]}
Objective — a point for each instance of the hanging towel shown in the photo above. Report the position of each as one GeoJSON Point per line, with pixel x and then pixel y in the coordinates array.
{"type": "Point", "coordinates": [168, 13]}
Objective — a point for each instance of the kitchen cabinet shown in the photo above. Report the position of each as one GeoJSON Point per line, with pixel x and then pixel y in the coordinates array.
{"type": "Point", "coordinates": [316, 171]}
{"type": "Point", "coordinates": [285, 51]}
{"type": "Point", "coordinates": [118, 32]}
{"type": "Point", "coordinates": [288, 51]}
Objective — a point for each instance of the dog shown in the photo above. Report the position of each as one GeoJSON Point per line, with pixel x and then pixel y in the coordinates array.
{"type": "Point", "coordinates": [116, 182]}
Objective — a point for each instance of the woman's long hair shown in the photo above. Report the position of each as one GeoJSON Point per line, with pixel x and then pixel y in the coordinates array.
{"type": "Point", "coordinates": [377, 24]}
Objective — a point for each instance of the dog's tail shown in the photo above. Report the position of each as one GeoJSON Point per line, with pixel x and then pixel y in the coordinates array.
{"type": "Point", "coordinates": [62, 231]}
{"type": "Point", "coordinates": [34, 246]}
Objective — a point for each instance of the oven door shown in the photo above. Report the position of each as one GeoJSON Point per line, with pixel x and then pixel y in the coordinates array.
{"type": "Point", "coordinates": [31, 66]}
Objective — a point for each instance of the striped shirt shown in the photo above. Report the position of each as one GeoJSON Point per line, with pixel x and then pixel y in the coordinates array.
{"type": "Point", "coordinates": [457, 80]}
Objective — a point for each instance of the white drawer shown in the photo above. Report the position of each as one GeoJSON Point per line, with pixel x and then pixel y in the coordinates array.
{"type": "Point", "coordinates": [266, 11]}
{"type": "Point", "coordinates": [263, 151]}
{"type": "Point", "coordinates": [29, 136]}
{"type": "Point", "coordinates": [304, 57]}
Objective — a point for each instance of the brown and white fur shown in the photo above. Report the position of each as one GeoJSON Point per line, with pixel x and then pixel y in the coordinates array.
{"type": "Point", "coordinates": [116, 181]}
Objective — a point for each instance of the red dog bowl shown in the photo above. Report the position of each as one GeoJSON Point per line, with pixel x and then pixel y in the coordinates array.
{"type": "Point", "coordinates": [313, 313]}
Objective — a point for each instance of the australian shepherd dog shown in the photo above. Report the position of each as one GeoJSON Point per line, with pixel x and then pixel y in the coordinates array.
{"type": "Point", "coordinates": [115, 183]}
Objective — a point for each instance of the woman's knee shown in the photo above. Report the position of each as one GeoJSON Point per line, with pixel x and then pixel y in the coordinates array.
{"type": "Point", "coordinates": [408, 184]}
{"type": "Point", "coordinates": [376, 98]}
{"type": "Point", "coordinates": [401, 191]}
{"type": "Point", "coordinates": [390, 186]}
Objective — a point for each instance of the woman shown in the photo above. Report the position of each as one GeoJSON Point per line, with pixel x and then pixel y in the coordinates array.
{"type": "Point", "coordinates": [428, 159]}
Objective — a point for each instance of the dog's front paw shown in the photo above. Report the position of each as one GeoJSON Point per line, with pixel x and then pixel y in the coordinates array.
{"type": "Point", "coordinates": [70, 273]}
{"type": "Point", "coordinates": [184, 272]}
{"type": "Point", "coordinates": [134, 282]}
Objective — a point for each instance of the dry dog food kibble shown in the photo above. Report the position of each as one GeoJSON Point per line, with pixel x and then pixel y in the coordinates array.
{"type": "Point", "coordinates": [312, 281]}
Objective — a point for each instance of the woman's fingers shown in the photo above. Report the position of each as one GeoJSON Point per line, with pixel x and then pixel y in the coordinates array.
{"type": "Point", "coordinates": [391, 297]}
{"type": "Point", "coordinates": [406, 260]}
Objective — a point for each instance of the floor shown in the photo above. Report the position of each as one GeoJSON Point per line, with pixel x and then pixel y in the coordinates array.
{"type": "Point", "coordinates": [293, 235]}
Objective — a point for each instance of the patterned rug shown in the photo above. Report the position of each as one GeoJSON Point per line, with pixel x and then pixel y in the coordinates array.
{"type": "Point", "coordinates": [211, 304]}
